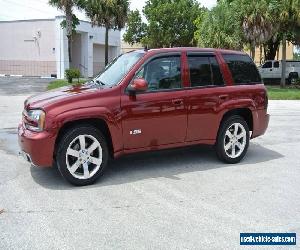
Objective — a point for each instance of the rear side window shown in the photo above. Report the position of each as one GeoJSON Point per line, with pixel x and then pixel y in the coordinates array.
{"type": "Point", "coordinates": [243, 69]}
{"type": "Point", "coordinates": [204, 71]}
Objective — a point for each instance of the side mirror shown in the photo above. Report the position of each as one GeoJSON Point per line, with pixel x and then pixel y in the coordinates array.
{"type": "Point", "coordinates": [138, 85]}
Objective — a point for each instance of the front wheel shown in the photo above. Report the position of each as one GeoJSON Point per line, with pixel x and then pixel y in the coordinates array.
{"type": "Point", "coordinates": [82, 155]}
{"type": "Point", "coordinates": [233, 140]}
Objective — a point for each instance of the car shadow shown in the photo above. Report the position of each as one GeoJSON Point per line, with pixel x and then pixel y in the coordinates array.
{"type": "Point", "coordinates": [165, 163]}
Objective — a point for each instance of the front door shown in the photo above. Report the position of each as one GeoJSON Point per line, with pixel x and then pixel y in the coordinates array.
{"type": "Point", "coordinates": [159, 115]}
{"type": "Point", "coordinates": [267, 70]}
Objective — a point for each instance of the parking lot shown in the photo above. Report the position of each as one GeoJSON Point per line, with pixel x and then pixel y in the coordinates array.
{"type": "Point", "coordinates": [172, 199]}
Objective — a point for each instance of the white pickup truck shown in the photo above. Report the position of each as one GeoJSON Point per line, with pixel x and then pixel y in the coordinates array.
{"type": "Point", "coordinates": [270, 71]}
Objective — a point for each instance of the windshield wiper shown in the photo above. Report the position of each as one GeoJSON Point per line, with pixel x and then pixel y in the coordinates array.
{"type": "Point", "coordinates": [97, 82]}
{"type": "Point", "coordinates": [100, 82]}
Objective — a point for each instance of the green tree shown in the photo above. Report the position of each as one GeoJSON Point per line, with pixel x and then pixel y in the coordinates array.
{"type": "Point", "coordinates": [288, 12]}
{"type": "Point", "coordinates": [219, 28]}
{"type": "Point", "coordinates": [296, 56]}
{"type": "Point", "coordinates": [271, 47]}
{"type": "Point", "coordinates": [71, 21]}
{"type": "Point", "coordinates": [136, 29]}
{"type": "Point", "coordinates": [257, 21]}
{"type": "Point", "coordinates": [111, 14]}
{"type": "Point", "coordinates": [171, 22]}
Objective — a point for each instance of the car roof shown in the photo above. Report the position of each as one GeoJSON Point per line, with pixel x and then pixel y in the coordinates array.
{"type": "Point", "coordinates": [294, 61]}
{"type": "Point", "coordinates": [194, 49]}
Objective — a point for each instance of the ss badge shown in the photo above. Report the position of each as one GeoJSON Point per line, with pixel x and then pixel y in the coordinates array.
{"type": "Point", "coordinates": [135, 132]}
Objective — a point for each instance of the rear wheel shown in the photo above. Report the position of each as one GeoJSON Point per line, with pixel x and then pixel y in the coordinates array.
{"type": "Point", "coordinates": [233, 140]}
{"type": "Point", "coordinates": [82, 155]}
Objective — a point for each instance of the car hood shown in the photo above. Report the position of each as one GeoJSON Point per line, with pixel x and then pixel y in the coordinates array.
{"type": "Point", "coordinates": [64, 93]}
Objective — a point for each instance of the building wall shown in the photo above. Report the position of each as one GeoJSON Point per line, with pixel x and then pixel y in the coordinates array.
{"type": "Point", "coordinates": [76, 52]}
{"type": "Point", "coordinates": [99, 56]}
{"type": "Point", "coordinates": [40, 47]}
{"type": "Point", "coordinates": [126, 47]}
{"type": "Point", "coordinates": [94, 38]}
{"type": "Point", "coordinates": [259, 54]}
{"type": "Point", "coordinates": [27, 48]}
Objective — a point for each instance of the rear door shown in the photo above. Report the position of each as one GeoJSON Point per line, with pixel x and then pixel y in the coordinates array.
{"type": "Point", "coordinates": [205, 94]}
{"type": "Point", "coordinates": [276, 70]}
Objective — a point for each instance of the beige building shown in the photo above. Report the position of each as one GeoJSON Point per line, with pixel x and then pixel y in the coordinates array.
{"type": "Point", "coordinates": [259, 53]}
{"type": "Point", "coordinates": [126, 47]}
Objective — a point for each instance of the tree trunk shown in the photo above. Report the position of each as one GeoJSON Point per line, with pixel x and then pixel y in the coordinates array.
{"type": "Point", "coordinates": [270, 49]}
{"type": "Point", "coordinates": [282, 82]}
{"type": "Point", "coordinates": [252, 51]}
{"type": "Point", "coordinates": [69, 30]}
{"type": "Point", "coordinates": [106, 45]}
{"type": "Point", "coordinates": [260, 54]}
{"type": "Point", "coordinates": [70, 49]}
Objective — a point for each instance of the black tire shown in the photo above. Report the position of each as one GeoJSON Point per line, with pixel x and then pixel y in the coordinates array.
{"type": "Point", "coordinates": [293, 77]}
{"type": "Point", "coordinates": [63, 145]}
{"type": "Point", "coordinates": [220, 144]}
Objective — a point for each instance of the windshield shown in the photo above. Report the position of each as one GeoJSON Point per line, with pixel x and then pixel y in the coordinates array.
{"type": "Point", "coordinates": [118, 68]}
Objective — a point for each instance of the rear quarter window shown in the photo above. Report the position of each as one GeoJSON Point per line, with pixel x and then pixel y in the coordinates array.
{"type": "Point", "coordinates": [243, 69]}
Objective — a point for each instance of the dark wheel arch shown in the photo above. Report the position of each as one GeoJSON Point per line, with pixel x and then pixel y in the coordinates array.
{"type": "Point", "coordinates": [245, 113]}
{"type": "Point", "coordinates": [99, 124]}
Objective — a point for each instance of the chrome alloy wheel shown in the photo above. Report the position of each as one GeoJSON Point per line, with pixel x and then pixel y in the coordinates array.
{"type": "Point", "coordinates": [84, 157]}
{"type": "Point", "coordinates": [235, 140]}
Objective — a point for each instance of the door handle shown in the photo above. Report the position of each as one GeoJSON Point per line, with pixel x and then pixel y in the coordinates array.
{"type": "Point", "coordinates": [223, 97]}
{"type": "Point", "coordinates": [177, 102]}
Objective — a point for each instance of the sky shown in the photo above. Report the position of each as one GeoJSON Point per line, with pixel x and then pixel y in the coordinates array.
{"type": "Point", "coordinates": [39, 9]}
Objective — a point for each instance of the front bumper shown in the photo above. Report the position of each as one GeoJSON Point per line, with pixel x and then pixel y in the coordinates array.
{"type": "Point", "coordinates": [37, 147]}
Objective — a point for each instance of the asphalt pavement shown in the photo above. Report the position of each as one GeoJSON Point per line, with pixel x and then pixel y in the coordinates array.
{"type": "Point", "coordinates": [172, 199]}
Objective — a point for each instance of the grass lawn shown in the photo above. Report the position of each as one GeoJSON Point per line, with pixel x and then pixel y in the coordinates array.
{"type": "Point", "coordinates": [60, 83]}
{"type": "Point", "coordinates": [276, 93]}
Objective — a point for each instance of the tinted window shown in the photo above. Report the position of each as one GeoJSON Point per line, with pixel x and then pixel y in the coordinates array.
{"type": "Point", "coordinates": [243, 69]}
{"type": "Point", "coordinates": [204, 71]}
{"type": "Point", "coordinates": [217, 76]}
{"type": "Point", "coordinates": [162, 73]}
{"type": "Point", "coordinates": [276, 64]}
{"type": "Point", "coordinates": [267, 65]}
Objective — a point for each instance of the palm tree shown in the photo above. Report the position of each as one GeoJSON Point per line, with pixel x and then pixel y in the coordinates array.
{"type": "Point", "coordinates": [111, 14]}
{"type": "Point", "coordinates": [289, 17]}
{"type": "Point", "coordinates": [67, 7]}
{"type": "Point", "coordinates": [258, 23]}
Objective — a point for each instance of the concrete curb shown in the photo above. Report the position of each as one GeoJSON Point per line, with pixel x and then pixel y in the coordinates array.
{"type": "Point", "coordinates": [19, 76]}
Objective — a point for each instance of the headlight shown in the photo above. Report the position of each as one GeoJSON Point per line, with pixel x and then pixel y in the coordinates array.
{"type": "Point", "coordinates": [34, 120]}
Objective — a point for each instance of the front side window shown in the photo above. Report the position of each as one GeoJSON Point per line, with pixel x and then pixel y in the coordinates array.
{"type": "Point", "coordinates": [162, 73]}
{"type": "Point", "coordinates": [267, 65]}
{"type": "Point", "coordinates": [243, 69]}
{"type": "Point", "coordinates": [276, 64]}
{"type": "Point", "coordinates": [204, 71]}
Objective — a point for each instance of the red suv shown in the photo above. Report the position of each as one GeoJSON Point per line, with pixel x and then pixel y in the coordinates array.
{"type": "Point", "coordinates": [147, 100]}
